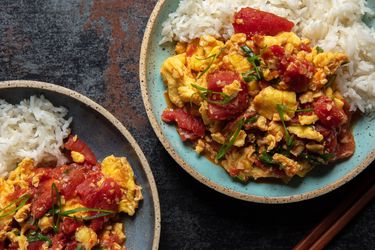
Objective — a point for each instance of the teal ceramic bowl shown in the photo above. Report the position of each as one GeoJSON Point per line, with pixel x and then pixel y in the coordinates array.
{"type": "Point", "coordinates": [105, 135]}
{"type": "Point", "coordinates": [318, 182]}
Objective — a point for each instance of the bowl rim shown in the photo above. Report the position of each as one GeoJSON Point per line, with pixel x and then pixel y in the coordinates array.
{"type": "Point", "coordinates": [115, 122]}
{"type": "Point", "coordinates": [194, 173]}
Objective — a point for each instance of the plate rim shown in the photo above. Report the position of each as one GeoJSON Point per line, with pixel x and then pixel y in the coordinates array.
{"type": "Point", "coordinates": [115, 122]}
{"type": "Point", "coordinates": [194, 173]}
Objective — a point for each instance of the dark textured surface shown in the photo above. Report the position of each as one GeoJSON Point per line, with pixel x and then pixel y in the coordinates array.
{"type": "Point", "coordinates": [92, 46]}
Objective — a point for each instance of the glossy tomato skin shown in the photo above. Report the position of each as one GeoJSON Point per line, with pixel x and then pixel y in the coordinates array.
{"type": "Point", "coordinates": [36, 245]}
{"type": "Point", "coordinates": [69, 226]}
{"type": "Point", "coordinates": [329, 114]}
{"type": "Point", "coordinates": [42, 201]}
{"type": "Point", "coordinates": [216, 81]}
{"type": "Point", "coordinates": [238, 105]}
{"type": "Point", "coordinates": [219, 78]}
{"type": "Point", "coordinates": [346, 143]}
{"type": "Point", "coordinates": [105, 196]}
{"type": "Point", "coordinates": [251, 21]}
{"type": "Point", "coordinates": [98, 224]}
{"type": "Point", "coordinates": [72, 246]}
{"type": "Point", "coordinates": [297, 73]}
{"type": "Point", "coordinates": [190, 127]}
{"type": "Point", "coordinates": [74, 177]}
{"type": "Point", "coordinates": [58, 241]}
{"type": "Point", "coordinates": [75, 144]}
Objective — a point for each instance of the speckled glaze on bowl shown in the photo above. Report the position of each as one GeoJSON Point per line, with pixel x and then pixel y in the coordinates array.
{"type": "Point", "coordinates": [105, 135]}
{"type": "Point", "coordinates": [318, 182]}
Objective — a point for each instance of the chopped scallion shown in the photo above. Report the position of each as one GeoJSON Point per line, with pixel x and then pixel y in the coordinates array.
{"type": "Point", "coordinates": [21, 200]}
{"type": "Point", "coordinates": [204, 93]}
{"type": "Point", "coordinates": [230, 140]}
{"type": "Point", "coordinates": [281, 109]}
{"type": "Point", "coordinates": [213, 59]}
{"type": "Point", "coordinates": [319, 49]}
{"type": "Point", "coordinates": [34, 236]}
{"type": "Point", "coordinates": [266, 158]}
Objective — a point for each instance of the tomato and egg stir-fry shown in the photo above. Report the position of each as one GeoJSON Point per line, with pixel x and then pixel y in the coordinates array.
{"type": "Point", "coordinates": [263, 104]}
{"type": "Point", "coordinates": [73, 206]}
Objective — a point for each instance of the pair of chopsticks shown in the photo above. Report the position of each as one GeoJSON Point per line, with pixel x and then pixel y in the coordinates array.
{"type": "Point", "coordinates": [331, 225]}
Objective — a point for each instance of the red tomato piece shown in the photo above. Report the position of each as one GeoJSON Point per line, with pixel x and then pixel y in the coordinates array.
{"type": "Point", "coordinates": [72, 245]}
{"type": "Point", "coordinates": [346, 144]}
{"type": "Point", "coordinates": [188, 124]}
{"type": "Point", "coordinates": [107, 196]}
{"type": "Point", "coordinates": [18, 192]}
{"type": "Point", "coordinates": [234, 171]}
{"type": "Point", "coordinates": [58, 241]}
{"type": "Point", "coordinates": [231, 110]}
{"type": "Point", "coordinates": [81, 147]}
{"type": "Point", "coordinates": [75, 177]}
{"type": "Point", "coordinates": [329, 114]}
{"type": "Point", "coordinates": [218, 79]}
{"type": "Point", "coordinates": [97, 224]}
{"type": "Point", "coordinates": [297, 73]}
{"type": "Point", "coordinates": [277, 50]}
{"type": "Point", "coordinates": [87, 190]}
{"type": "Point", "coordinates": [42, 201]}
{"type": "Point", "coordinates": [191, 48]}
{"type": "Point", "coordinates": [69, 226]}
{"type": "Point", "coordinates": [330, 137]}
{"type": "Point", "coordinates": [305, 47]}
{"type": "Point", "coordinates": [36, 245]}
{"type": "Point", "coordinates": [13, 246]}
{"type": "Point", "coordinates": [251, 21]}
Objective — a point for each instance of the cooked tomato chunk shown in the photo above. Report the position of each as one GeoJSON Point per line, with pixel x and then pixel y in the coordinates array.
{"type": "Point", "coordinates": [346, 144]}
{"type": "Point", "coordinates": [231, 110]}
{"type": "Point", "coordinates": [218, 79]}
{"type": "Point", "coordinates": [187, 123]}
{"type": "Point", "coordinates": [251, 21]}
{"type": "Point", "coordinates": [43, 200]}
{"type": "Point", "coordinates": [297, 73]}
{"type": "Point", "coordinates": [329, 114]}
{"type": "Point", "coordinates": [77, 145]}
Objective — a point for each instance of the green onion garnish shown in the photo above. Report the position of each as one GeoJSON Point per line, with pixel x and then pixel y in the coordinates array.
{"type": "Point", "coordinates": [281, 109]}
{"type": "Point", "coordinates": [21, 200]}
{"type": "Point", "coordinates": [255, 61]}
{"type": "Point", "coordinates": [250, 76]}
{"type": "Point", "coordinates": [55, 211]}
{"type": "Point", "coordinates": [304, 110]}
{"type": "Point", "coordinates": [102, 213]}
{"type": "Point", "coordinates": [318, 159]}
{"type": "Point", "coordinates": [203, 92]}
{"type": "Point", "coordinates": [251, 120]}
{"type": "Point", "coordinates": [229, 141]}
{"type": "Point", "coordinates": [34, 236]}
{"type": "Point", "coordinates": [319, 49]}
{"type": "Point", "coordinates": [331, 80]}
{"type": "Point", "coordinates": [213, 59]}
{"type": "Point", "coordinates": [266, 158]}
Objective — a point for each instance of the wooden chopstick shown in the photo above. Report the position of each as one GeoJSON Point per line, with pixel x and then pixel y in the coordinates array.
{"type": "Point", "coordinates": [343, 220]}
{"type": "Point", "coordinates": [326, 230]}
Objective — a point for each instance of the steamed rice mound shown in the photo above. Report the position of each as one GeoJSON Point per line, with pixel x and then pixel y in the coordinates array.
{"type": "Point", "coordinates": [333, 25]}
{"type": "Point", "coordinates": [34, 129]}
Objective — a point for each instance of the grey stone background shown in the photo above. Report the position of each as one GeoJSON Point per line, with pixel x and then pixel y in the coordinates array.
{"type": "Point", "coordinates": [92, 46]}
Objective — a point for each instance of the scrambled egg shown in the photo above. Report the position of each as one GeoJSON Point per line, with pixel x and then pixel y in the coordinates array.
{"type": "Point", "coordinates": [25, 177]}
{"type": "Point", "coordinates": [273, 70]}
{"type": "Point", "coordinates": [267, 100]}
{"type": "Point", "coordinates": [119, 169]}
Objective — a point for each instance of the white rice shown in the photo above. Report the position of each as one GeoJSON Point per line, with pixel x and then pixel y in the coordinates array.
{"type": "Point", "coordinates": [35, 129]}
{"type": "Point", "coordinates": [335, 25]}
